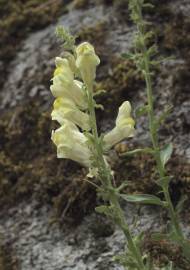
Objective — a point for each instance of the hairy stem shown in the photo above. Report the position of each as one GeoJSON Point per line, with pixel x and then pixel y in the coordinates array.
{"type": "Point", "coordinates": [152, 124]}
{"type": "Point", "coordinates": [106, 180]}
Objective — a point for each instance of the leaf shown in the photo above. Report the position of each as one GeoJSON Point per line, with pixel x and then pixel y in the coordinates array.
{"type": "Point", "coordinates": [126, 260]}
{"type": "Point", "coordinates": [99, 106]}
{"type": "Point", "coordinates": [186, 249]}
{"type": "Point", "coordinates": [159, 236]}
{"type": "Point", "coordinates": [102, 209]}
{"type": "Point", "coordinates": [136, 151]}
{"type": "Point", "coordinates": [124, 184]}
{"type": "Point", "coordinates": [139, 239]}
{"type": "Point", "coordinates": [99, 92]}
{"type": "Point", "coordinates": [149, 262]}
{"type": "Point", "coordinates": [168, 267]}
{"type": "Point", "coordinates": [143, 198]}
{"type": "Point", "coordinates": [152, 51]}
{"type": "Point", "coordinates": [180, 204]}
{"type": "Point", "coordinates": [127, 55]}
{"type": "Point", "coordinates": [141, 110]}
{"type": "Point", "coordinates": [166, 153]}
{"type": "Point", "coordinates": [148, 5]}
{"type": "Point", "coordinates": [164, 115]}
{"type": "Point", "coordinates": [164, 181]}
{"type": "Point", "coordinates": [172, 237]}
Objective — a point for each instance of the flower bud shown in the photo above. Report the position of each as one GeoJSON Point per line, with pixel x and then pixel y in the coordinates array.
{"type": "Point", "coordinates": [124, 126]}
{"type": "Point", "coordinates": [65, 109]}
{"type": "Point", "coordinates": [86, 62]}
{"type": "Point", "coordinates": [71, 144]}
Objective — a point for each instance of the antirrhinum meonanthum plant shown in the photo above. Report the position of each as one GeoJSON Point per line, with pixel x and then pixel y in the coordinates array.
{"type": "Point", "coordinates": [78, 138]}
{"type": "Point", "coordinates": [143, 57]}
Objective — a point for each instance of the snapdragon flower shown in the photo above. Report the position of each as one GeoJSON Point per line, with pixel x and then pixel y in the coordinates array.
{"type": "Point", "coordinates": [86, 62]}
{"type": "Point", "coordinates": [71, 60]}
{"type": "Point", "coordinates": [71, 104]}
{"type": "Point", "coordinates": [65, 109]}
{"type": "Point", "coordinates": [64, 84]}
{"type": "Point", "coordinates": [124, 126]}
{"type": "Point", "coordinates": [71, 144]}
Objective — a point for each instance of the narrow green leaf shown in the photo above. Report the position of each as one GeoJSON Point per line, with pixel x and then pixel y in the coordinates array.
{"type": "Point", "coordinates": [99, 92]}
{"type": "Point", "coordinates": [148, 5]}
{"type": "Point", "coordinates": [127, 55]}
{"type": "Point", "coordinates": [99, 106]}
{"type": "Point", "coordinates": [164, 182]}
{"type": "Point", "coordinates": [180, 204]}
{"type": "Point", "coordinates": [166, 153]}
{"type": "Point", "coordinates": [159, 236]}
{"type": "Point", "coordinates": [139, 239]}
{"type": "Point", "coordinates": [143, 198]}
{"type": "Point", "coordinates": [102, 209]}
{"type": "Point", "coordinates": [124, 184]}
{"type": "Point", "coordinates": [137, 151]}
{"type": "Point", "coordinates": [141, 111]}
{"type": "Point", "coordinates": [164, 115]}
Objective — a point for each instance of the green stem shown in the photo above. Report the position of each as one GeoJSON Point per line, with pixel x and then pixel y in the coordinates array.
{"type": "Point", "coordinates": [106, 180]}
{"type": "Point", "coordinates": [153, 127]}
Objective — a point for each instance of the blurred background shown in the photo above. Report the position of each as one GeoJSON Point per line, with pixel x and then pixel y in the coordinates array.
{"type": "Point", "coordinates": [47, 218]}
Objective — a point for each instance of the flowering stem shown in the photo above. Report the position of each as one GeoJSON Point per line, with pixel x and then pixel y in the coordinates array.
{"type": "Point", "coordinates": [153, 125]}
{"type": "Point", "coordinates": [106, 180]}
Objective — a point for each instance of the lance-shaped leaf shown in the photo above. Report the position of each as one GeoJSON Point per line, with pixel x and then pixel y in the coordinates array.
{"type": "Point", "coordinates": [160, 236]}
{"type": "Point", "coordinates": [103, 209]}
{"type": "Point", "coordinates": [138, 151]}
{"type": "Point", "coordinates": [166, 153]}
{"type": "Point", "coordinates": [143, 199]}
{"type": "Point", "coordinates": [141, 110]}
{"type": "Point", "coordinates": [164, 115]}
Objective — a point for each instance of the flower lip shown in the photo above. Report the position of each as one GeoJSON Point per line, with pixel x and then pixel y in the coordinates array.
{"type": "Point", "coordinates": [71, 144]}
{"type": "Point", "coordinates": [65, 109]}
{"type": "Point", "coordinates": [124, 127]}
{"type": "Point", "coordinates": [86, 62]}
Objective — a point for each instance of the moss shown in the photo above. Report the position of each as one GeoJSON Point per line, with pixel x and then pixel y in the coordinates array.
{"type": "Point", "coordinates": [123, 74]}
{"type": "Point", "coordinates": [163, 251]}
{"type": "Point", "coordinates": [80, 4]}
{"type": "Point", "coordinates": [120, 83]}
{"type": "Point", "coordinates": [29, 167]}
{"type": "Point", "coordinates": [177, 33]}
{"type": "Point", "coordinates": [102, 227]}
{"type": "Point", "coordinates": [8, 260]}
{"type": "Point", "coordinates": [15, 24]}
{"type": "Point", "coordinates": [96, 35]}
{"type": "Point", "coordinates": [21, 17]}
{"type": "Point", "coordinates": [140, 171]}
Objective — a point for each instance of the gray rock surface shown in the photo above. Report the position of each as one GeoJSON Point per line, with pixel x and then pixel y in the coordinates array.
{"type": "Point", "coordinates": [39, 245]}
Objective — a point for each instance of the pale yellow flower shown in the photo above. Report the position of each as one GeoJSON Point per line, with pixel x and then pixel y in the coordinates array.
{"type": "Point", "coordinates": [65, 86]}
{"type": "Point", "coordinates": [87, 61]}
{"type": "Point", "coordinates": [71, 60]}
{"type": "Point", "coordinates": [71, 144]}
{"type": "Point", "coordinates": [124, 126]}
{"type": "Point", "coordinates": [65, 109]}
{"type": "Point", "coordinates": [63, 68]}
